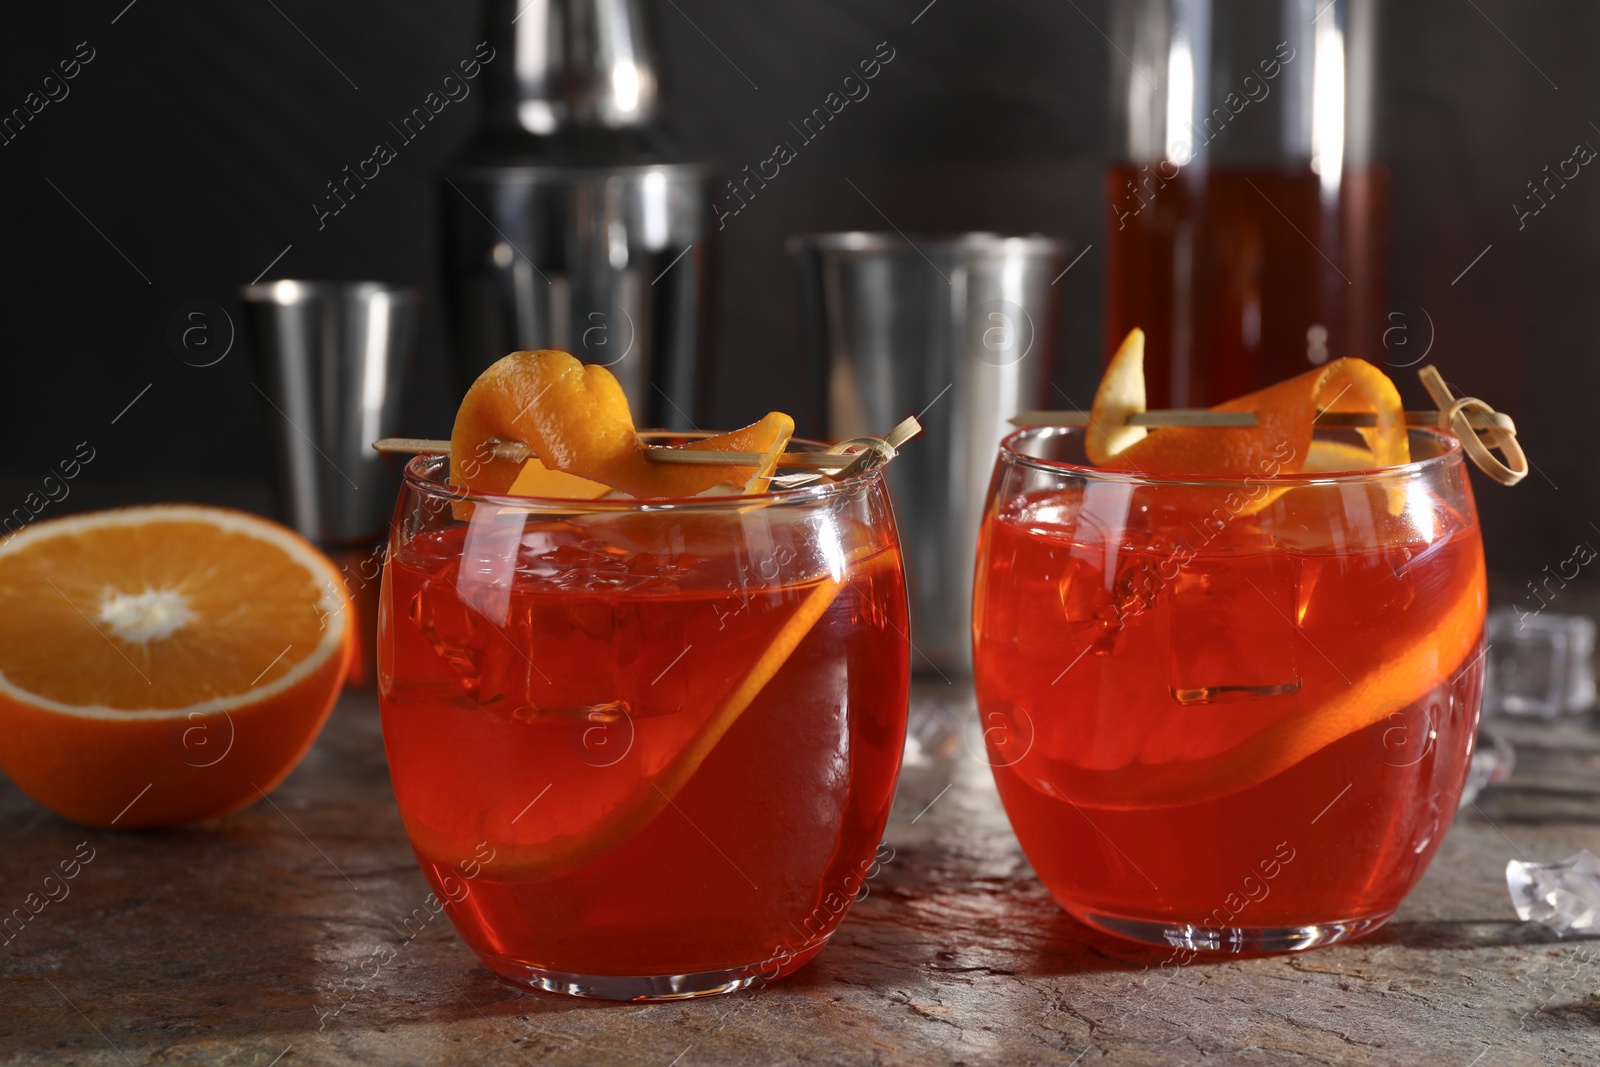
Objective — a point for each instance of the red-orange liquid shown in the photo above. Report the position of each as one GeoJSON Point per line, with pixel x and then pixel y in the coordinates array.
{"type": "Point", "coordinates": [1230, 273]}
{"type": "Point", "coordinates": [1124, 698]}
{"type": "Point", "coordinates": [532, 756]}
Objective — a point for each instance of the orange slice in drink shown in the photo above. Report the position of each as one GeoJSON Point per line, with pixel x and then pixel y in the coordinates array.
{"type": "Point", "coordinates": [163, 664]}
{"type": "Point", "coordinates": [1407, 671]}
{"type": "Point", "coordinates": [619, 818]}
{"type": "Point", "coordinates": [576, 420]}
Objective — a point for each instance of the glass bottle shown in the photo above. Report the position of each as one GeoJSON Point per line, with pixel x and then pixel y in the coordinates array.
{"type": "Point", "coordinates": [1247, 217]}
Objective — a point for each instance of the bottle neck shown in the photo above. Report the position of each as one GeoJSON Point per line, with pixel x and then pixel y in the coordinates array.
{"type": "Point", "coordinates": [1237, 85]}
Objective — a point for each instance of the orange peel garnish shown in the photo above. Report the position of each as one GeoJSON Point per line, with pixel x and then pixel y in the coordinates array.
{"type": "Point", "coordinates": [1332, 457]}
{"type": "Point", "coordinates": [576, 420]}
{"type": "Point", "coordinates": [770, 437]}
{"type": "Point", "coordinates": [535, 479]}
{"type": "Point", "coordinates": [1281, 440]}
{"type": "Point", "coordinates": [1120, 395]}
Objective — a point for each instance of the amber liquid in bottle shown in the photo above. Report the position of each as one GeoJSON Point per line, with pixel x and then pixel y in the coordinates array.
{"type": "Point", "coordinates": [1242, 277]}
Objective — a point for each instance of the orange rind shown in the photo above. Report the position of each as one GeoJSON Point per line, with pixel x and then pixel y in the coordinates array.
{"type": "Point", "coordinates": [535, 479]}
{"type": "Point", "coordinates": [770, 437]}
{"type": "Point", "coordinates": [575, 419]}
{"type": "Point", "coordinates": [1120, 395]}
{"type": "Point", "coordinates": [1335, 457]}
{"type": "Point", "coordinates": [1281, 440]}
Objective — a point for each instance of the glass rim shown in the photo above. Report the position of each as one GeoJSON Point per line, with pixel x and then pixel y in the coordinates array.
{"type": "Point", "coordinates": [421, 478]}
{"type": "Point", "coordinates": [871, 242]}
{"type": "Point", "coordinates": [1450, 453]}
{"type": "Point", "coordinates": [553, 174]}
{"type": "Point", "coordinates": [297, 292]}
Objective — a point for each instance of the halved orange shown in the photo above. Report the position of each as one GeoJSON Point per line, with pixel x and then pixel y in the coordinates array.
{"type": "Point", "coordinates": [163, 664]}
{"type": "Point", "coordinates": [576, 420]}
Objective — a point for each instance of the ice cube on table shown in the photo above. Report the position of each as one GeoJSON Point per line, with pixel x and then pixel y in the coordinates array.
{"type": "Point", "coordinates": [1564, 896]}
{"type": "Point", "coordinates": [1541, 665]}
{"type": "Point", "coordinates": [1493, 760]}
{"type": "Point", "coordinates": [933, 732]}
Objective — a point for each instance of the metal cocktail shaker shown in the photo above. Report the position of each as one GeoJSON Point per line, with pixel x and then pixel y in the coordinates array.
{"type": "Point", "coordinates": [961, 329]}
{"type": "Point", "coordinates": [566, 225]}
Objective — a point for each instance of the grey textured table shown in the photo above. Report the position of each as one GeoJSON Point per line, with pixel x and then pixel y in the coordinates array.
{"type": "Point", "coordinates": [274, 937]}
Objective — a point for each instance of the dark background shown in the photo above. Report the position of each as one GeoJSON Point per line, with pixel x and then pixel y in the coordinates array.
{"type": "Point", "coordinates": [200, 134]}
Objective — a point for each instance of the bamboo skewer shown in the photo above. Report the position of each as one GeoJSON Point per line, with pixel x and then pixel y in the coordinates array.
{"type": "Point", "coordinates": [863, 452]}
{"type": "Point", "coordinates": [823, 461]}
{"type": "Point", "coordinates": [1168, 417]}
{"type": "Point", "coordinates": [1458, 417]}
{"type": "Point", "coordinates": [1478, 420]}
{"type": "Point", "coordinates": [518, 452]}
{"type": "Point", "coordinates": [1481, 430]}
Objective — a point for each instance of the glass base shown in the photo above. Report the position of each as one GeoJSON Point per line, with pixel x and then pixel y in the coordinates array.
{"type": "Point", "coordinates": [629, 987]}
{"type": "Point", "coordinates": [1233, 939]}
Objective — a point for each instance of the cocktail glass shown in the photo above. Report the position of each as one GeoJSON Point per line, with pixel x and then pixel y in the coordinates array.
{"type": "Point", "coordinates": [1229, 714]}
{"type": "Point", "coordinates": [644, 749]}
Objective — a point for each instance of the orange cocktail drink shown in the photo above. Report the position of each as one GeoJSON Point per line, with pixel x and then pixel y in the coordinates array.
{"type": "Point", "coordinates": [1230, 712]}
{"type": "Point", "coordinates": [644, 747]}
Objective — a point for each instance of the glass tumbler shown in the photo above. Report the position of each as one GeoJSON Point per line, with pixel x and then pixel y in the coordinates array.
{"type": "Point", "coordinates": [644, 749]}
{"type": "Point", "coordinates": [1229, 714]}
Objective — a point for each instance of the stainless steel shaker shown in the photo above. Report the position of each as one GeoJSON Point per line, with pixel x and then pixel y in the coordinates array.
{"type": "Point", "coordinates": [566, 222]}
{"type": "Point", "coordinates": [961, 330]}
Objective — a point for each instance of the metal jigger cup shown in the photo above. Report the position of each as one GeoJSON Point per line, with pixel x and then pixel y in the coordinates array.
{"type": "Point", "coordinates": [330, 358]}
{"type": "Point", "coordinates": [961, 329]}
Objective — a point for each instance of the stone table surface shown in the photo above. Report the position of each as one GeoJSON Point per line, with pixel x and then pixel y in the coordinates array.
{"type": "Point", "coordinates": [272, 937]}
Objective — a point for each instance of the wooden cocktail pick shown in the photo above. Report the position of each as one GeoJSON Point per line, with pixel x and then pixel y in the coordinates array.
{"type": "Point", "coordinates": [1480, 428]}
{"type": "Point", "coordinates": [1480, 420]}
{"type": "Point", "coordinates": [1460, 417]}
{"type": "Point", "coordinates": [518, 452]}
{"type": "Point", "coordinates": [843, 460]}
{"type": "Point", "coordinates": [871, 453]}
